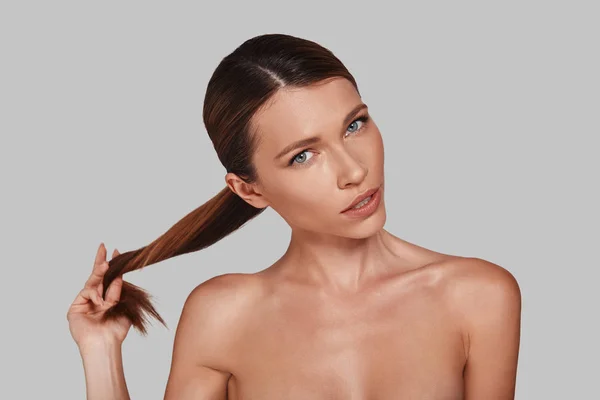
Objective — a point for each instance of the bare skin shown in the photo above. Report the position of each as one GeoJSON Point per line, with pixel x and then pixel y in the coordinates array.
{"type": "Point", "coordinates": [392, 338]}
{"type": "Point", "coordinates": [350, 311]}
{"type": "Point", "coordinates": [433, 326]}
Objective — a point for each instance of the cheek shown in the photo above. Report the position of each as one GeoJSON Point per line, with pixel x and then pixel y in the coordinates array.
{"type": "Point", "coordinates": [369, 151]}
{"type": "Point", "coordinates": [307, 205]}
{"type": "Point", "coordinates": [374, 147]}
{"type": "Point", "coordinates": [305, 197]}
{"type": "Point", "coordinates": [377, 141]}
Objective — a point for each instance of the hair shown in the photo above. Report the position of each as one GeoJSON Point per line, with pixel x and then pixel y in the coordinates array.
{"type": "Point", "coordinates": [243, 82]}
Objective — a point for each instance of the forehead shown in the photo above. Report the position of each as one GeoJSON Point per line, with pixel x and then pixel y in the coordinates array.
{"type": "Point", "coordinates": [297, 113]}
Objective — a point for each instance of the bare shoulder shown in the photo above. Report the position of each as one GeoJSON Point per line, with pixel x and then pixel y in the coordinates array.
{"type": "Point", "coordinates": [224, 291]}
{"type": "Point", "coordinates": [214, 311]}
{"type": "Point", "coordinates": [202, 350]}
{"type": "Point", "coordinates": [221, 298]}
{"type": "Point", "coordinates": [467, 278]}
{"type": "Point", "coordinates": [480, 293]}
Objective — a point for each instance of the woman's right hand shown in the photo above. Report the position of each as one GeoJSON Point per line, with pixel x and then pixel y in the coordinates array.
{"type": "Point", "coordinates": [86, 311]}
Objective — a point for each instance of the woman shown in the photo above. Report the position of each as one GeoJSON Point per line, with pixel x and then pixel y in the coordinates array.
{"type": "Point", "coordinates": [349, 311]}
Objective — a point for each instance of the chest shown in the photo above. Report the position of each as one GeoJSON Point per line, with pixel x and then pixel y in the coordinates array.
{"type": "Point", "coordinates": [378, 348]}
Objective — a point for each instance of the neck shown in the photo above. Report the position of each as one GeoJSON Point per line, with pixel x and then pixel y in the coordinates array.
{"type": "Point", "coordinates": [335, 263]}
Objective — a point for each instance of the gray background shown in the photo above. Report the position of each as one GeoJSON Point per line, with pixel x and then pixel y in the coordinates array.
{"type": "Point", "coordinates": [490, 119]}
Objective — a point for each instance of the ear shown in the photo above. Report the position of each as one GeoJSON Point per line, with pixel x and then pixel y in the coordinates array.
{"type": "Point", "coordinates": [249, 192]}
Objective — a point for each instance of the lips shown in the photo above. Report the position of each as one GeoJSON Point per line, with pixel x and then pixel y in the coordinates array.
{"type": "Point", "coordinates": [360, 198]}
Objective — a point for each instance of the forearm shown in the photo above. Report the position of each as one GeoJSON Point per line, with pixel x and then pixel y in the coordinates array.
{"type": "Point", "coordinates": [104, 376]}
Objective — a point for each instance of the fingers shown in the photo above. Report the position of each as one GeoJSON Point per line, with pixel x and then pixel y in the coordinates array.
{"type": "Point", "coordinates": [99, 289]}
{"type": "Point", "coordinates": [88, 294]}
{"type": "Point", "coordinates": [100, 255]}
{"type": "Point", "coordinates": [97, 274]}
{"type": "Point", "coordinates": [94, 286]}
{"type": "Point", "coordinates": [101, 285]}
{"type": "Point", "coordinates": [99, 267]}
{"type": "Point", "coordinates": [113, 294]}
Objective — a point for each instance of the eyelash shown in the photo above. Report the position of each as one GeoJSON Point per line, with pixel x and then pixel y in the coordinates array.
{"type": "Point", "coordinates": [363, 118]}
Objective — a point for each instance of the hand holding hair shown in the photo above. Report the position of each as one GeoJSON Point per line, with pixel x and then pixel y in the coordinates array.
{"type": "Point", "coordinates": [85, 315]}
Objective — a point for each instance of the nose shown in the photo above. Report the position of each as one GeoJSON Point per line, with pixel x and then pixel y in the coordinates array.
{"type": "Point", "coordinates": [351, 171]}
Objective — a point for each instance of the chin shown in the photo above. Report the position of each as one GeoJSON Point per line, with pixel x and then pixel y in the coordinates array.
{"type": "Point", "coordinates": [364, 227]}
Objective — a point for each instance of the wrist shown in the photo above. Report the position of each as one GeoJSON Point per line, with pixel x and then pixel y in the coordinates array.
{"type": "Point", "coordinates": [103, 368]}
{"type": "Point", "coordinates": [95, 345]}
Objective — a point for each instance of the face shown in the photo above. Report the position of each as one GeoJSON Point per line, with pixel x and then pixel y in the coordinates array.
{"type": "Point", "coordinates": [311, 184]}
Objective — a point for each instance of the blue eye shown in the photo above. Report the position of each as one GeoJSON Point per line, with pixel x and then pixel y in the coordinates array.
{"type": "Point", "coordinates": [295, 158]}
{"type": "Point", "coordinates": [362, 119]}
{"type": "Point", "coordinates": [354, 122]}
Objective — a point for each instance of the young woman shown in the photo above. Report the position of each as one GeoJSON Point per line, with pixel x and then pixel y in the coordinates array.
{"type": "Point", "coordinates": [350, 311]}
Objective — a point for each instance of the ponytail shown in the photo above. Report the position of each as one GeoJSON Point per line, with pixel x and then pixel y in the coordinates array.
{"type": "Point", "coordinates": [207, 224]}
{"type": "Point", "coordinates": [242, 84]}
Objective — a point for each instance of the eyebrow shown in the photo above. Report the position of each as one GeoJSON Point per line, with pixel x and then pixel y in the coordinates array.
{"type": "Point", "coordinates": [317, 139]}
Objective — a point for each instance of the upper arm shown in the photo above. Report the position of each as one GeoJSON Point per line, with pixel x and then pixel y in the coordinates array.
{"type": "Point", "coordinates": [202, 341]}
{"type": "Point", "coordinates": [490, 301]}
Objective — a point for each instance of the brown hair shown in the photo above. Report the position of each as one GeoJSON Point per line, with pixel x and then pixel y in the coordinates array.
{"type": "Point", "coordinates": [242, 83]}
